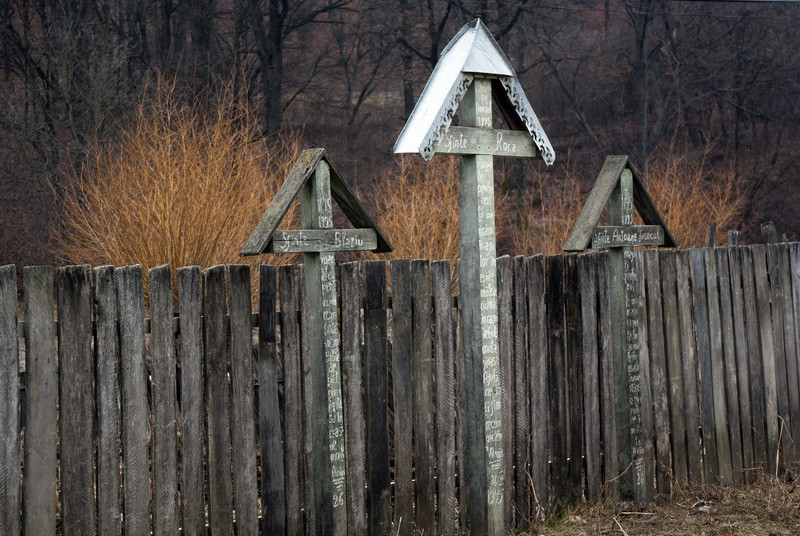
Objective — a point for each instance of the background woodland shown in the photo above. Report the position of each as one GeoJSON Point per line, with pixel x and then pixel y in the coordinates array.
{"type": "Point", "coordinates": [169, 123]}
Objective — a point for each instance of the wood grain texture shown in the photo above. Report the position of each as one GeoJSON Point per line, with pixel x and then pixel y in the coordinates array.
{"type": "Point", "coordinates": [611, 470]}
{"type": "Point", "coordinates": [658, 371]}
{"type": "Point", "coordinates": [644, 490]}
{"type": "Point", "coordinates": [505, 349]}
{"type": "Point", "coordinates": [41, 382]}
{"type": "Point", "coordinates": [538, 374]}
{"type": "Point", "coordinates": [672, 348]}
{"type": "Point", "coordinates": [220, 483]}
{"type": "Point", "coordinates": [303, 168]}
{"type": "Point", "coordinates": [422, 393]}
{"type": "Point", "coordinates": [76, 399]}
{"type": "Point", "coordinates": [355, 420]}
{"type": "Point", "coordinates": [768, 355]}
{"type": "Point", "coordinates": [289, 290]}
{"type": "Point", "coordinates": [574, 377]}
{"type": "Point", "coordinates": [135, 409]}
{"type": "Point", "coordinates": [378, 483]}
{"type": "Point", "coordinates": [521, 398]}
{"type": "Point", "coordinates": [705, 378]}
{"type": "Point", "coordinates": [731, 381]}
{"type": "Point", "coordinates": [756, 368]}
{"type": "Point", "coordinates": [192, 407]}
{"type": "Point", "coordinates": [587, 276]}
{"type": "Point", "coordinates": [794, 278]}
{"type": "Point", "coordinates": [784, 360]}
{"type": "Point", "coordinates": [717, 370]}
{"type": "Point", "coordinates": [791, 354]}
{"type": "Point", "coordinates": [106, 348]}
{"type": "Point", "coordinates": [443, 349]}
{"type": "Point", "coordinates": [164, 395]}
{"type": "Point", "coordinates": [243, 432]}
{"type": "Point", "coordinates": [694, 450]}
{"type": "Point", "coordinates": [402, 374]}
{"type": "Point", "coordinates": [270, 433]}
{"type": "Point", "coordinates": [742, 362]}
{"type": "Point", "coordinates": [9, 404]}
{"type": "Point", "coordinates": [557, 388]}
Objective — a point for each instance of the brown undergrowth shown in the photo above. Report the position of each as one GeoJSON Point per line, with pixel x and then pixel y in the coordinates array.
{"type": "Point", "coordinates": [184, 184]}
{"type": "Point", "coordinates": [767, 508]}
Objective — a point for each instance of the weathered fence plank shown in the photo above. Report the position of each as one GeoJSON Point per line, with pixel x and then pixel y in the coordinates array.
{"type": "Point", "coordinates": [506, 384]}
{"type": "Point", "coordinates": [742, 367]}
{"type": "Point", "coordinates": [539, 380]}
{"type": "Point", "coordinates": [378, 484]}
{"type": "Point", "coordinates": [9, 404]}
{"type": "Point", "coordinates": [694, 450]}
{"type": "Point", "coordinates": [270, 433]}
{"type": "Point", "coordinates": [41, 382]}
{"type": "Point", "coordinates": [705, 379]}
{"type": "Point", "coordinates": [445, 398]}
{"type": "Point", "coordinates": [587, 272]}
{"type": "Point", "coordinates": [164, 395]}
{"type": "Point", "coordinates": [717, 371]}
{"type": "Point", "coordinates": [729, 365]}
{"type": "Point", "coordinates": [794, 278]}
{"type": "Point", "coordinates": [521, 399]}
{"type": "Point", "coordinates": [354, 418]}
{"type": "Point", "coordinates": [402, 374]}
{"type": "Point", "coordinates": [756, 367]}
{"type": "Point", "coordinates": [557, 388]}
{"type": "Point", "coordinates": [672, 348]}
{"type": "Point", "coordinates": [106, 347]}
{"type": "Point", "coordinates": [220, 484]}
{"type": "Point", "coordinates": [422, 392]}
{"type": "Point", "coordinates": [611, 469]}
{"type": "Point", "coordinates": [192, 407]}
{"type": "Point", "coordinates": [645, 390]}
{"type": "Point", "coordinates": [296, 501]}
{"type": "Point", "coordinates": [658, 371]}
{"type": "Point", "coordinates": [243, 444]}
{"type": "Point", "coordinates": [574, 377]}
{"type": "Point", "coordinates": [768, 356]}
{"type": "Point", "coordinates": [76, 399]}
{"type": "Point", "coordinates": [777, 322]}
{"type": "Point", "coordinates": [135, 409]}
{"type": "Point", "coordinates": [784, 284]}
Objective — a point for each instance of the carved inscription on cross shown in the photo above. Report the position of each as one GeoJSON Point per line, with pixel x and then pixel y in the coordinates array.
{"type": "Point", "coordinates": [621, 237]}
{"type": "Point", "coordinates": [318, 242]}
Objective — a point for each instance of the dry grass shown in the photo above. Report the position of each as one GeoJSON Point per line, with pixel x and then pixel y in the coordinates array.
{"type": "Point", "coordinates": [184, 185]}
{"type": "Point", "coordinates": [543, 218]}
{"type": "Point", "coordinates": [768, 508]}
{"type": "Point", "coordinates": [688, 192]}
{"type": "Point", "coordinates": [417, 208]}
{"type": "Point", "coordinates": [691, 194]}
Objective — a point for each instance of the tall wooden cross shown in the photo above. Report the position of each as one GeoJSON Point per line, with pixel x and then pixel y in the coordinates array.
{"type": "Point", "coordinates": [319, 184]}
{"type": "Point", "coordinates": [619, 188]}
{"type": "Point", "coordinates": [472, 76]}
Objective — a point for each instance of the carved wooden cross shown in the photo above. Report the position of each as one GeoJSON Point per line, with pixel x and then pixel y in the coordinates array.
{"type": "Point", "coordinates": [619, 188]}
{"type": "Point", "coordinates": [318, 183]}
{"type": "Point", "coordinates": [472, 76]}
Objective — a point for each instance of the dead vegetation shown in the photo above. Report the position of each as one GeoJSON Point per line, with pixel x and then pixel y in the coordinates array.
{"type": "Point", "coordinates": [767, 508]}
{"type": "Point", "coordinates": [185, 184]}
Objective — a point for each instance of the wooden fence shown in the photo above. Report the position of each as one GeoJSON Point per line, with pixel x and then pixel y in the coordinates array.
{"type": "Point", "coordinates": [124, 423]}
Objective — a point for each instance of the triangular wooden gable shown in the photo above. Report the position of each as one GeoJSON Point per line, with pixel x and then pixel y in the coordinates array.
{"type": "Point", "coordinates": [341, 193]}
{"type": "Point", "coordinates": [581, 235]}
{"type": "Point", "coordinates": [473, 51]}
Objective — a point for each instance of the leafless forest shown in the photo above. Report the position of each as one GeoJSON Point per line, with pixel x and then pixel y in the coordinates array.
{"type": "Point", "coordinates": [641, 77]}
